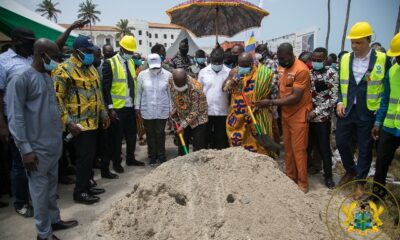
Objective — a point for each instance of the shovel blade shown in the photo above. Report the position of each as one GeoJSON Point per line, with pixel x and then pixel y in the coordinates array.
{"type": "Point", "coordinates": [268, 143]}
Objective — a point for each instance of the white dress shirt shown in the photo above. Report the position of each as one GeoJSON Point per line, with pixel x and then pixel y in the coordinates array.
{"type": "Point", "coordinates": [218, 100]}
{"type": "Point", "coordinates": [152, 94]}
{"type": "Point", "coordinates": [360, 66]}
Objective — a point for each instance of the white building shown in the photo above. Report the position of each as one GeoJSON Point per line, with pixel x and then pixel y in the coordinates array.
{"type": "Point", "coordinates": [304, 40]}
{"type": "Point", "coordinates": [147, 34]}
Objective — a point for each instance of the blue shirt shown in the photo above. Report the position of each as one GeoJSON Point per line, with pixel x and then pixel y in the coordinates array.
{"type": "Point", "coordinates": [10, 64]}
{"type": "Point", "coordinates": [381, 113]}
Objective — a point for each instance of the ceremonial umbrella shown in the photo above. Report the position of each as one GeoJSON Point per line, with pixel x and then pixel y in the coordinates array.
{"type": "Point", "coordinates": [216, 17]}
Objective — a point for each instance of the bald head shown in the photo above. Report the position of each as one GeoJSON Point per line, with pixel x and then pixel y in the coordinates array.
{"type": "Point", "coordinates": [285, 55]}
{"type": "Point", "coordinates": [285, 48]}
{"type": "Point", "coordinates": [180, 77]}
{"type": "Point", "coordinates": [237, 49]}
{"type": "Point", "coordinates": [245, 60]}
{"type": "Point", "coordinates": [44, 51]}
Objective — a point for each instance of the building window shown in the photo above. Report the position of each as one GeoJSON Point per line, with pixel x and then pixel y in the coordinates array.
{"type": "Point", "coordinates": [172, 36]}
{"type": "Point", "coordinates": [156, 35]}
{"type": "Point", "coordinates": [165, 45]}
{"type": "Point", "coordinates": [140, 32]}
{"type": "Point", "coordinates": [150, 44]}
{"type": "Point", "coordinates": [116, 43]}
{"type": "Point", "coordinates": [165, 36]}
{"type": "Point", "coordinates": [140, 42]}
{"type": "Point", "coordinates": [149, 35]}
{"type": "Point", "coordinates": [108, 41]}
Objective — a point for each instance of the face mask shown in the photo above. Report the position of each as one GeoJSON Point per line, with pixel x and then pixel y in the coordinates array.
{"type": "Point", "coordinates": [155, 71]}
{"type": "Point", "coordinates": [162, 58]}
{"type": "Point", "coordinates": [184, 52]}
{"type": "Point", "coordinates": [181, 89]}
{"type": "Point", "coordinates": [200, 60]}
{"type": "Point", "coordinates": [88, 58]}
{"type": "Point", "coordinates": [50, 66]}
{"type": "Point", "coordinates": [235, 59]}
{"type": "Point", "coordinates": [126, 56]}
{"type": "Point", "coordinates": [317, 65]}
{"type": "Point", "coordinates": [244, 70]}
{"type": "Point", "coordinates": [285, 64]}
{"type": "Point", "coordinates": [333, 65]}
{"type": "Point", "coordinates": [138, 62]}
{"type": "Point", "coordinates": [216, 68]}
{"type": "Point", "coordinates": [258, 56]}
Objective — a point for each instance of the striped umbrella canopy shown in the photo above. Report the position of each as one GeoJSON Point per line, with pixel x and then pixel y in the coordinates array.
{"type": "Point", "coordinates": [216, 17]}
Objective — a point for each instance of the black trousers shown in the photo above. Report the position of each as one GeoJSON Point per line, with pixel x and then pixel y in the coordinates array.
{"type": "Point", "coordinates": [67, 158]}
{"type": "Point", "coordinates": [387, 145]}
{"type": "Point", "coordinates": [103, 149]}
{"type": "Point", "coordinates": [197, 136]}
{"type": "Point", "coordinates": [85, 150]}
{"type": "Point", "coordinates": [125, 127]}
{"type": "Point", "coordinates": [155, 133]}
{"type": "Point", "coordinates": [319, 138]}
{"type": "Point", "coordinates": [216, 132]}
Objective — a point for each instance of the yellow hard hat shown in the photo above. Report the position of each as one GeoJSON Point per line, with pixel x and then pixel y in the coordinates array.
{"type": "Point", "coordinates": [360, 30]}
{"type": "Point", "coordinates": [128, 42]}
{"type": "Point", "coordinates": [394, 50]}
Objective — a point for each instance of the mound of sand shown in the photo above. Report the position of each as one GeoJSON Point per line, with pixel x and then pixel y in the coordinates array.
{"type": "Point", "coordinates": [230, 194]}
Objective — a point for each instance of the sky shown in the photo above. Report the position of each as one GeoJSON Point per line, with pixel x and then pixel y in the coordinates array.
{"type": "Point", "coordinates": [286, 16]}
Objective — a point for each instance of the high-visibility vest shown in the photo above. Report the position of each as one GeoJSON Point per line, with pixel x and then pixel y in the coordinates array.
{"type": "Point", "coordinates": [374, 79]}
{"type": "Point", "coordinates": [119, 85]}
{"type": "Point", "coordinates": [392, 119]}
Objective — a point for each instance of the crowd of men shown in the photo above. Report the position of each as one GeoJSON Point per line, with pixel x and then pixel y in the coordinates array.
{"type": "Point", "coordinates": [74, 107]}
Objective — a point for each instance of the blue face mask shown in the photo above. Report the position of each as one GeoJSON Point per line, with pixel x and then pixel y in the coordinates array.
{"type": "Point", "coordinates": [138, 62]}
{"type": "Point", "coordinates": [50, 66]}
{"type": "Point", "coordinates": [88, 58]}
{"type": "Point", "coordinates": [162, 58]}
{"type": "Point", "coordinates": [200, 60]}
{"type": "Point", "coordinates": [244, 70]}
{"type": "Point", "coordinates": [333, 65]}
{"type": "Point", "coordinates": [317, 65]}
{"type": "Point", "coordinates": [216, 68]}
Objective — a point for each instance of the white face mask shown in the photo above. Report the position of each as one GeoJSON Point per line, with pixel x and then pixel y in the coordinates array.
{"type": "Point", "coordinates": [126, 56]}
{"type": "Point", "coordinates": [181, 89]}
{"type": "Point", "coordinates": [258, 56]}
{"type": "Point", "coordinates": [155, 71]}
{"type": "Point", "coordinates": [216, 68]}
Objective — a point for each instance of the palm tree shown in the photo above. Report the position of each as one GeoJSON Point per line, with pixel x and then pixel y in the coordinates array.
{"type": "Point", "coordinates": [123, 28]}
{"type": "Point", "coordinates": [48, 9]}
{"type": "Point", "coordinates": [345, 24]}
{"type": "Point", "coordinates": [396, 30]}
{"type": "Point", "coordinates": [329, 25]}
{"type": "Point", "coordinates": [87, 11]}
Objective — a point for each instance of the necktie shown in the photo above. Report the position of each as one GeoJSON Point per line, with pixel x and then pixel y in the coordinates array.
{"type": "Point", "coordinates": [130, 81]}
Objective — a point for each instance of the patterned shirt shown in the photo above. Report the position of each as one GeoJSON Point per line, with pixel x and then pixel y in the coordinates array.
{"type": "Point", "coordinates": [182, 62]}
{"type": "Point", "coordinates": [189, 108]}
{"type": "Point", "coordinates": [324, 91]}
{"type": "Point", "coordinates": [78, 94]}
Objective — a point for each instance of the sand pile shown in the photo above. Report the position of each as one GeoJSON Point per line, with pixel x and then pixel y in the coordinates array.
{"type": "Point", "coordinates": [231, 194]}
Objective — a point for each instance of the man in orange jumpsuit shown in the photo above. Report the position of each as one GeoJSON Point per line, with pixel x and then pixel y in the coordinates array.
{"type": "Point", "coordinates": [296, 102]}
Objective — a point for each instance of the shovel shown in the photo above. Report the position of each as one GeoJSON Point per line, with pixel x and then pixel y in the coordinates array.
{"type": "Point", "coordinates": [185, 149]}
{"type": "Point", "coordinates": [264, 140]}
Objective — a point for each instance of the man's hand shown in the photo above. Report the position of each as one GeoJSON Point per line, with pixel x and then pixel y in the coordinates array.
{"type": "Point", "coordinates": [77, 24]}
{"type": "Point", "coordinates": [4, 133]}
{"type": "Point", "coordinates": [106, 122]}
{"type": "Point", "coordinates": [30, 161]}
{"type": "Point", "coordinates": [340, 110]}
{"type": "Point", "coordinates": [113, 115]}
{"type": "Point", "coordinates": [138, 113]}
{"type": "Point", "coordinates": [375, 132]}
{"type": "Point", "coordinates": [180, 130]}
{"type": "Point", "coordinates": [311, 116]}
{"type": "Point", "coordinates": [263, 103]}
{"type": "Point", "coordinates": [74, 129]}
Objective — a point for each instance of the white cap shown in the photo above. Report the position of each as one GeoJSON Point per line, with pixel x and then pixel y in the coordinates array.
{"type": "Point", "coordinates": [154, 61]}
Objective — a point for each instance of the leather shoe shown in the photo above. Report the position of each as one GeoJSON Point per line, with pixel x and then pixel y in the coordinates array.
{"type": "Point", "coordinates": [86, 198]}
{"type": "Point", "coordinates": [359, 191]}
{"type": "Point", "coordinates": [66, 180]}
{"type": "Point", "coordinates": [61, 225]}
{"type": "Point", "coordinates": [53, 237]}
{"type": "Point", "coordinates": [109, 175]}
{"type": "Point", "coordinates": [134, 163]}
{"type": "Point", "coordinates": [329, 183]}
{"type": "Point", "coordinates": [96, 191]}
{"type": "Point", "coordinates": [346, 178]}
{"type": "Point", "coordinates": [118, 168]}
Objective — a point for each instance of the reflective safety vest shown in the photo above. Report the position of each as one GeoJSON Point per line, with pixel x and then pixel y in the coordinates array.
{"type": "Point", "coordinates": [119, 85]}
{"type": "Point", "coordinates": [392, 119]}
{"type": "Point", "coordinates": [374, 79]}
